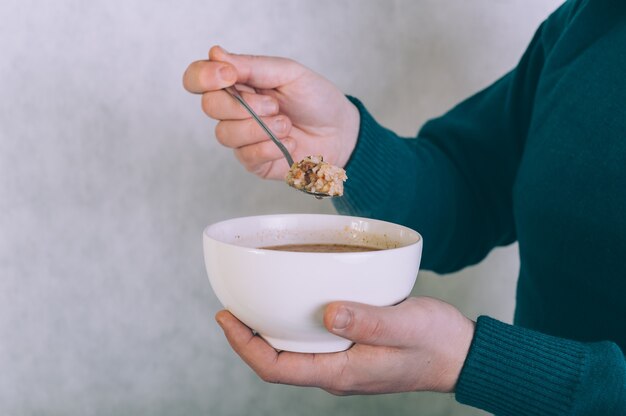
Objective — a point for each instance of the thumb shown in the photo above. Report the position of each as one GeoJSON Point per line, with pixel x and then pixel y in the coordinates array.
{"type": "Point", "coordinates": [371, 325]}
{"type": "Point", "coordinates": [263, 72]}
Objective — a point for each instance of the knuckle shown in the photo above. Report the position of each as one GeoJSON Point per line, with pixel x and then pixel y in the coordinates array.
{"type": "Point", "coordinates": [336, 392]}
{"type": "Point", "coordinates": [208, 104]}
{"type": "Point", "coordinates": [291, 63]}
{"type": "Point", "coordinates": [251, 168]}
{"type": "Point", "coordinates": [268, 377]}
{"type": "Point", "coordinates": [262, 170]}
{"type": "Point", "coordinates": [282, 126]}
{"type": "Point", "coordinates": [343, 384]}
{"type": "Point", "coordinates": [250, 164]}
{"type": "Point", "coordinates": [263, 151]}
{"type": "Point", "coordinates": [221, 134]}
{"type": "Point", "coordinates": [190, 77]}
{"type": "Point", "coordinates": [242, 155]}
{"type": "Point", "coordinates": [252, 129]}
{"type": "Point", "coordinates": [410, 301]}
{"type": "Point", "coordinates": [186, 80]}
{"type": "Point", "coordinates": [344, 381]}
{"type": "Point", "coordinates": [375, 330]}
{"type": "Point", "coordinates": [295, 68]}
{"type": "Point", "coordinates": [205, 74]}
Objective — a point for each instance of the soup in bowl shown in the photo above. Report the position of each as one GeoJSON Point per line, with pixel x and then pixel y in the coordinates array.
{"type": "Point", "coordinates": [277, 273]}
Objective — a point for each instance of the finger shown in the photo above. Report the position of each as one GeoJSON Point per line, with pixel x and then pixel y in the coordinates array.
{"type": "Point", "coordinates": [221, 106]}
{"type": "Point", "coordinates": [251, 348]}
{"type": "Point", "coordinates": [392, 326]}
{"type": "Point", "coordinates": [284, 367]}
{"type": "Point", "coordinates": [239, 133]}
{"type": "Point", "coordinates": [265, 157]}
{"type": "Point", "coordinates": [203, 76]}
{"type": "Point", "coordinates": [259, 71]}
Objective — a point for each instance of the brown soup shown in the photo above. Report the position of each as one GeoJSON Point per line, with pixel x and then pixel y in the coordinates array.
{"type": "Point", "coordinates": [322, 248]}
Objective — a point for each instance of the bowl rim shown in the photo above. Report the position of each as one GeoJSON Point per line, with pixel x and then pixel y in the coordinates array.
{"type": "Point", "coordinates": [418, 237]}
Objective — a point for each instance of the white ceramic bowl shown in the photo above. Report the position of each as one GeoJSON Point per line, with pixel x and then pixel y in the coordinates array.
{"type": "Point", "coordinates": [282, 295]}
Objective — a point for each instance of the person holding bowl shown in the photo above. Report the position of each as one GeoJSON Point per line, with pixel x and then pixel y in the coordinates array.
{"type": "Point", "coordinates": [537, 157]}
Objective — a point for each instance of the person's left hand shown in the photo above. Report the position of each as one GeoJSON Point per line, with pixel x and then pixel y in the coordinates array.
{"type": "Point", "coordinates": [419, 344]}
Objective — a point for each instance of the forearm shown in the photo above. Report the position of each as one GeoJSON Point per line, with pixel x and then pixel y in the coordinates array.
{"type": "Point", "coordinates": [454, 181]}
{"type": "Point", "coordinates": [411, 182]}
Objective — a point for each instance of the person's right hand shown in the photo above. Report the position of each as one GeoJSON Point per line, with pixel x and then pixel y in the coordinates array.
{"type": "Point", "coordinates": [309, 114]}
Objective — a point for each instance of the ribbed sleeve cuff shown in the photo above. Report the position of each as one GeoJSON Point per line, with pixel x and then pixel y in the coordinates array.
{"type": "Point", "coordinates": [515, 371]}
{"type": "Point", "coordinates": [370, 169]}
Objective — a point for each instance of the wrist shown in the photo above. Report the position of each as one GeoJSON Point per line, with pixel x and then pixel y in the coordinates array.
{"type": "Point", "coordinates": [349, 134]}
{"type": "Point", "coordinates": [454, 354]}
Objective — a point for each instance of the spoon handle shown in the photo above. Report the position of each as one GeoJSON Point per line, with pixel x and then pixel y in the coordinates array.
{"type": "Point", "coordinates": [235, 94]}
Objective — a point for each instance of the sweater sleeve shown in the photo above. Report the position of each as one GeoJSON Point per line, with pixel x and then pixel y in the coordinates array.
{"type": "Point", "coordinates": [516, 371]}
{"type": "Point", "coordinates": [453, 182]}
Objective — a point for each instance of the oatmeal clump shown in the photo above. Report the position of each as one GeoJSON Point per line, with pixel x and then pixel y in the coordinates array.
{"type": "Point", "coordinates": [312, 174]}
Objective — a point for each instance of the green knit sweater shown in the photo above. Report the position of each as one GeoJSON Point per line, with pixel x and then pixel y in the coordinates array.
{"type": "Point", "coordinates": [539, 157]}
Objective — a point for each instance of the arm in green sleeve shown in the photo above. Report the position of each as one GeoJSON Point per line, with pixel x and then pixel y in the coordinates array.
{"type": "Point", "coordinates": [515, 371]}
{"type": "Point", "coordinates": [453, 182]}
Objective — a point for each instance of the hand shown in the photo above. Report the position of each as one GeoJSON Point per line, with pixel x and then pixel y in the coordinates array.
{"type": "Point", "coordinates": [305, 111]}
{"type": "Point", "coordinates": [419, 344]}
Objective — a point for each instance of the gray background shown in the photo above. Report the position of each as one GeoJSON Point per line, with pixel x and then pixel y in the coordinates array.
{"type": "Point", "coordinates": [109, 172]}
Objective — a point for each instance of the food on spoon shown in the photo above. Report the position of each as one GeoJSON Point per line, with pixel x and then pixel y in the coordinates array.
{"type": "Point", "coordinates": [314, 175]}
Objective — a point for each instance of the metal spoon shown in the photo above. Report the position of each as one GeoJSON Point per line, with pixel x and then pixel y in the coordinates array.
{"type": "Point", "coordinates": [235, 94]}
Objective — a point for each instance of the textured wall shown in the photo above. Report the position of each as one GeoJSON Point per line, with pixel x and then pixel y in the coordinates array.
{"type": "Point", "coordinates": [109, 172]}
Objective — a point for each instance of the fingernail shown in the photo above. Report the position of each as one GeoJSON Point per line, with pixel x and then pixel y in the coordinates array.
{"type": "Point", "coordinates": [289, 144]}
{"type": "Point", "coordinates": [343, 317]}
{"type": "Point", "coordinates": [269, 106]}
{"type": "Point", "coordinates": [279, 124]}
{"type": "Point", "coordinates": [227, 73]}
